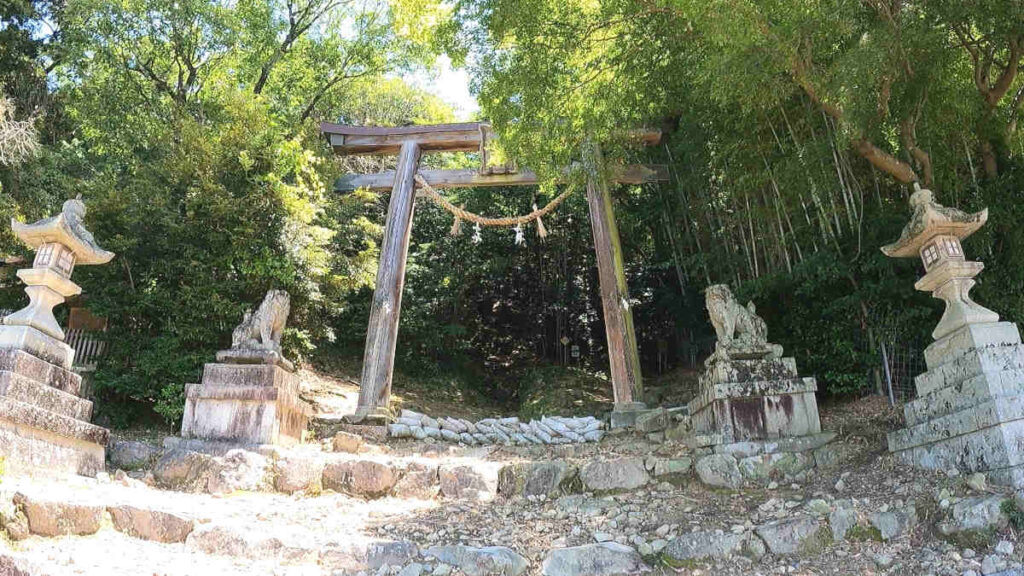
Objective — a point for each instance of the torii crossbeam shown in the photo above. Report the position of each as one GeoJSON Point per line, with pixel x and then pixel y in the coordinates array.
{"type": "Point", "coordinates": [410, 142]}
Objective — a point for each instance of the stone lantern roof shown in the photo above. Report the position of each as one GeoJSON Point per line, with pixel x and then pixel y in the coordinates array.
{"type": "Point", "coordinates": [931, 219]}
{"type": "Point", "coordinates": [67, 229]}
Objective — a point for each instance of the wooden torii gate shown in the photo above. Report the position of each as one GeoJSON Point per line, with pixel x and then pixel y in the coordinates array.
{"type": "Point", "coordinates": [410, 142]}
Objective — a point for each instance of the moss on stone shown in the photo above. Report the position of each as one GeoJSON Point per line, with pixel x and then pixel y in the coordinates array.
{"type": "Point", "coordinates": [818, 542]}
{"type": "Point", "coordinates": [974, 539]}
{"type": "Point", "coordinates": [861, 533]}
{"type": "Point", "coordinates": [679, 563]}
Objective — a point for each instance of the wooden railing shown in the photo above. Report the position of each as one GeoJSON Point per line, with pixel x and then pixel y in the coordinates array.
{"type": "Point", "coordinates": [88, 345]}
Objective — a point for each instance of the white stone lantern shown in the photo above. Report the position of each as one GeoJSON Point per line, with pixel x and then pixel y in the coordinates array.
{"type": "Point", "coordinates": [60, 242]}
{"type": "Point", "coordinates": [934, 233]}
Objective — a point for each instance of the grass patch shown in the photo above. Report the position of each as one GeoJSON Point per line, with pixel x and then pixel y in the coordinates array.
{"type": "Point", "coordinates": [562, 391]}
{"type": "Point", "coordinates": [1013, 512]}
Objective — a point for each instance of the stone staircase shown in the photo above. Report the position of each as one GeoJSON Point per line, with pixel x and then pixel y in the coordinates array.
{"type": "Point", "coordinates": [622, 507]}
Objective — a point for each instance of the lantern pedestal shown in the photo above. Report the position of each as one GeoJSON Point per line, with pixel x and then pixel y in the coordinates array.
{"type": "Point", "coordinates": [969, 413]}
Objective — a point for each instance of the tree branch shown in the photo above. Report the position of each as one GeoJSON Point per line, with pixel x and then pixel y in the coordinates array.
{"type": "Point", "coordinates": [884, 161]}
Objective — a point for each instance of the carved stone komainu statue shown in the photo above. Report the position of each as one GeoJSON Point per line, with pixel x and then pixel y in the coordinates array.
{"type": "Point", "coordinates": [263, 330]}
{"type": "Point", "coordinates": [748, 391]}
{"type": "Point", "coordinates": [251, 395]}
{"type": "Point", "coordinates": [742, 334]}
{"type": "Point", "coordinates": [258, 338]}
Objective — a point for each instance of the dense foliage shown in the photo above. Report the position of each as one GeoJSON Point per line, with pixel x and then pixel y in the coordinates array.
{"type": "Point", "coordinates": [793, 133]}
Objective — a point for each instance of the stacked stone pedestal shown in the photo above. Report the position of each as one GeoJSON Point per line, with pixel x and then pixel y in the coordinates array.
{"type": "Point", "coordinates": [969, 413]}
{"type": "Point", "coordinates": [44, 424]}
{"type": "Point", "coordinates": [246, 403]}
{"type": "Point", "coordinates": [755, 399]}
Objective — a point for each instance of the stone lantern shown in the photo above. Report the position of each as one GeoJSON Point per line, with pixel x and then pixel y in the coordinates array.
{"type": "Point", "coordinates": [44, 424]}
{"type": "Point", "coordinates": [60, 242]}
{"type": "Point", "coordinates": [966, 414]}
{"type": "Point", "coordinates": [934, 234]}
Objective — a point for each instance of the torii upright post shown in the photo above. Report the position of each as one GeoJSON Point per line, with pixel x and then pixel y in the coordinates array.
{"type": "Point", "coordinates": [382, 333]}
{"type": "Point", "coordinates": [409, 142]}
{"type": "Point", "coordinates": [623, 355]}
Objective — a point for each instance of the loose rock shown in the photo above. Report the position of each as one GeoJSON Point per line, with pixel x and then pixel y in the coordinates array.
{"type": "Point", "coordinates": [481, 561]}
{"type": "Point", "coordinates": [607, 559]}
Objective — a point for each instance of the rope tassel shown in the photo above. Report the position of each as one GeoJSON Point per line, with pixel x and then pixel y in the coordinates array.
{"type": "Point", "coordinates": [457, 224]}
{"type": "Point", "coordinates": [541, 230]}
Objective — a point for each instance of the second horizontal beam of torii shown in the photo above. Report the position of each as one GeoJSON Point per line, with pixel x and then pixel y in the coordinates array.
{"type": "Point", "coordinates": [384, 181]}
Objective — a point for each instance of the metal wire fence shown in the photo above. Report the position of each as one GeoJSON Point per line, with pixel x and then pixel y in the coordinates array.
{"type": "Point", "coordinates": [900, 359]}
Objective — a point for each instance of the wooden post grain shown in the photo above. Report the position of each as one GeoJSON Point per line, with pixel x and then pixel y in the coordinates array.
{"type": "Point", "coordinates": [382, 333]}
{"type": "Point", "coordinates": [627, 381]}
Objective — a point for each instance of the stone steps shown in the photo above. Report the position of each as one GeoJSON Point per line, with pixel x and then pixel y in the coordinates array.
{"type": "Point", "coordinates": [473, 474]}
{"type": "Point", "coordinates": [94, 527]}
{"type": "Point", "coordinates": [964, 395]}
{"type": "Point", "coordinates": [39, 370]}
{"type": "Point", "coordinates": [23, 414]}
{"type": "Point", "coordinates": [46, 397]}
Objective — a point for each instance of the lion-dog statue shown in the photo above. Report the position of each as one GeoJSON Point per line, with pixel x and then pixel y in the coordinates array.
{"type": "Point", "coordinates": [742, 334]}
{"type": "Point", "coordinates": [262, 330]}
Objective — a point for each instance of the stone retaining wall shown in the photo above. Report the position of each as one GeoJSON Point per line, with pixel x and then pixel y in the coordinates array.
{"type": "Point", "coordinates": [489, 431]}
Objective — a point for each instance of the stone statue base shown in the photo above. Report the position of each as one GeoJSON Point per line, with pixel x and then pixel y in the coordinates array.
{"type": "Point", "coordinates": [254, 357]}
{"type": "Point", "coordinates": [246, 402]}
{"type": "Point", "coordinates": [969, 413]}
{"type": "Point", "coordinates": [44, 424]}
{"type": "Point", "coordinates": [754, 399]}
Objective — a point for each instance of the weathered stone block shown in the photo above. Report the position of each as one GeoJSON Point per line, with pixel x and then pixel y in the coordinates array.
{"type": "Point", "coordinates": [363, 478]}
{"type": "Point", "coordinates": [703, 545]}
{"type": "Point", "coordinates": [614, 475]}
{"type": "Point", "coordinates": [36, 343]}
{"type": "Point", "coordinates": [390, 553]}
{"type": "Point", "coordinates": [800, 534]}
{"type": "Point", "coordinates": [605, 559]}
{"type": "Point", "coordinates": [970, 337]}
{"type": "Point", "coordinates": [298, 472]}
{"type": "Point", "coordinates": [468, 482]}
{"type": "Point", "coordinates": [347, 442]}
{"type": "Point", "coordinates": [757, 410]}
{"type": "Point", "coordinates": [418, 481]}
{"type": "Point", "coordinates": [246, 403]}
{"type": "Point", "coordinates": [767, 369]}
{"type": "Point", "coordinates": [131, 455]}
{"type": "Point", "coordinates": [492, 560]}
{"type": "Point", "coordinates": [653, 420]}
{"type": "Point", "coordinates": [54, 518]}
{"type": "Point", "coordinates": [546, 478]}
{"type": "Point", "coordinates": [719, 470]}
{"type": "Point", "coordinates": [267, 375]}
{"type": "Point", "coordinates": [154, 525]}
